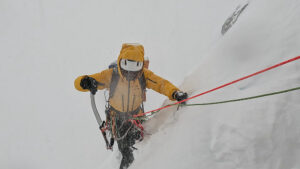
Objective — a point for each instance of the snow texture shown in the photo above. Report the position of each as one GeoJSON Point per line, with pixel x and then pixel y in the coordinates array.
{"type": "Point", "coordinates": [45, 44]}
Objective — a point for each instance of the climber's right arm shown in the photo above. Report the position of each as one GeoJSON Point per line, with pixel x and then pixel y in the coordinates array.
{"type": "Point", "coordinates": [103, 78]}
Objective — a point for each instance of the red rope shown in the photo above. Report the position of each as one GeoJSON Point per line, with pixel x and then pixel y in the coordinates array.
{"type": "Point", "coordinates": [224, 85]}
{"type": "Point", "coordinates": [138, 124]}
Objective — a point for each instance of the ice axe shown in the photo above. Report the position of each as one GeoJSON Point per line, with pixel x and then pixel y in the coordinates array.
{"type": "Point", "coordinates": [101, 123]}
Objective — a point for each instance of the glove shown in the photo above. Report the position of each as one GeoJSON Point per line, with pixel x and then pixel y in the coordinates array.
{"type": "Point", "coordinates": [179, 96]}
{"type": "Point", "coordinates": [89, 83]}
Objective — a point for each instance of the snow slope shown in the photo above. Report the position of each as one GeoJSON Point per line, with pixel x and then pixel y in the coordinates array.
{"type": "Point", "coordinates": [45, 44]}
{"type": "Point", "coordinates": [262, 133]}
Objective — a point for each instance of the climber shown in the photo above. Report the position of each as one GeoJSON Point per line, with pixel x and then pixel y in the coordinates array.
{"type": "Point", "coordinates": [126, 82]}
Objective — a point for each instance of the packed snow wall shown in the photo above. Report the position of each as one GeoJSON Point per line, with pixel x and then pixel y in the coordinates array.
{"type": "Point", "coordinates": [46, 44]}
{"type": "Point", "coordinates": [262, 133]}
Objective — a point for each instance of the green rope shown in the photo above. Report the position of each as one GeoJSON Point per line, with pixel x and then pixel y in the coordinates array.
{"type": "Point", "coordinates": [226, 101]}
{"type": "Point", "coordinates": [242, 99]}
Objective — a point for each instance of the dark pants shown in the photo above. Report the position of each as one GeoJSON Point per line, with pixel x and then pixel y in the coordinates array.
{"type": "Point", "coordinates": [125, 144]}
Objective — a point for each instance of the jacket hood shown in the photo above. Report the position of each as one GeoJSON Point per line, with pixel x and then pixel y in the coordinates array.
{"type": "Point", "coordinates": [131, 51]}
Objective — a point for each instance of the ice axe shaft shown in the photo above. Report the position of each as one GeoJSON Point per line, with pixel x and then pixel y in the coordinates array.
{"type": "Point", "coordinates": [96, 113]}
{"type": "Point", "coordinates": [100, 122]}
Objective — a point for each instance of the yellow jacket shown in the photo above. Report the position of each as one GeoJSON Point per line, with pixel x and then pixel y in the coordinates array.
{"type": "Point", "coordinates": [128, 95]}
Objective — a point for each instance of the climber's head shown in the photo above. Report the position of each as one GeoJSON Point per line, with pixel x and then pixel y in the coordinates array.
{"type": "Point", "coordinates": [130, 61]}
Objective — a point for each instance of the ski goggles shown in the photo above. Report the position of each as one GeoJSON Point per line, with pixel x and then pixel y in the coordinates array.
{"type": "Point", "coordinates": [131, 65]}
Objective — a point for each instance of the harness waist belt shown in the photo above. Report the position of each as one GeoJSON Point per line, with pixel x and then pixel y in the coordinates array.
{"type": "Point", "coordinates": [125, 115]}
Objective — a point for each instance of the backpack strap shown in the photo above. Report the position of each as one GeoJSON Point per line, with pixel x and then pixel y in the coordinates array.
{"type": "Point", "coordinates": [142, 81]}
{"type": "Point", "coordinates": [114, 81]}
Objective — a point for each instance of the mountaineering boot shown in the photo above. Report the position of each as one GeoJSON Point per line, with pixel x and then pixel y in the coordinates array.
{"type": "Point", "coordinates": [127, 158]}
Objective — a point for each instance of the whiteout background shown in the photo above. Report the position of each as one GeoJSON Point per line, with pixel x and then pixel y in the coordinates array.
{"type": "Point", "coordinates": [45, 45]}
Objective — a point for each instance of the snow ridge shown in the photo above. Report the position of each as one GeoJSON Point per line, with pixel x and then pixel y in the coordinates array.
{"type": "Point", "coordinates": [262, 133]}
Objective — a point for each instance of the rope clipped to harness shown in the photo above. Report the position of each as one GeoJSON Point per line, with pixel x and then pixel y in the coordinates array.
{"type": "Point", "coordinates": [139, 126]}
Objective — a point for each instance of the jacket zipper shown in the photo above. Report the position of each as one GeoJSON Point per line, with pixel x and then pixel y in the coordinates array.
{"type": "Point", "coordinates": [133, 102]}
{"type": "Point", "coordinates": [123, 102]}
{"type": "Point", "coordinates": [128, 96]}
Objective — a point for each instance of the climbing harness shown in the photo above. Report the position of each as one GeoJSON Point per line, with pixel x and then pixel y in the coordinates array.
{"type": "Point", "coordinates": [103, 126]}
{"type": "Point", "coordinates": [133, 123]}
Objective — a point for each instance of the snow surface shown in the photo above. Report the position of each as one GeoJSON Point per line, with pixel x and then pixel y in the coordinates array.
{"type": "Point", "coordinates": [46, 44]}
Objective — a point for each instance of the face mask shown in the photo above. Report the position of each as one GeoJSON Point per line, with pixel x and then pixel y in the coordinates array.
{"type": "Point", "coordinates": [129, 75]}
